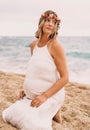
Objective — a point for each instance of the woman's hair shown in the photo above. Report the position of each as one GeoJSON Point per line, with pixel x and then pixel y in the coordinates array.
{"type": "Point", "coordinates": [43, 18]}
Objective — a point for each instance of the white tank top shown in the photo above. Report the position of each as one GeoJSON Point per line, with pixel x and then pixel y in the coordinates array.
{"type": "Point", "coordinates": [41, 72]}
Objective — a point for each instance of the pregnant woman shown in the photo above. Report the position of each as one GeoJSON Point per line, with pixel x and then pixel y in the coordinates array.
{"type": "Point", "coordinates": [47, 73]}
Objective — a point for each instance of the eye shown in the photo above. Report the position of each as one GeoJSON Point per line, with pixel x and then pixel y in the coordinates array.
{"type": "Point", "coordinates": [47, 20]}
{"type": "Point", "coordinates": [55, 22]}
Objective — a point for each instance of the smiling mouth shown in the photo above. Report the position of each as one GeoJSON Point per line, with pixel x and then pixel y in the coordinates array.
{"type": "Point", "coordinates": [49, 28]}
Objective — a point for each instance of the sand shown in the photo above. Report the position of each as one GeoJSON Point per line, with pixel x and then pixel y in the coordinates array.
{"type": "Point", "coordinates": [75, 111]}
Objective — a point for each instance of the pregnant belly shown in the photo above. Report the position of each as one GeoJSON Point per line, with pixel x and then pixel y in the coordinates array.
{"type": "Point", "coordinates": [33, 88]}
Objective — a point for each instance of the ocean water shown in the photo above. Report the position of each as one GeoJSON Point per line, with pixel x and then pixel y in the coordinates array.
{"type": "Point", "coordinates": [15, 54]}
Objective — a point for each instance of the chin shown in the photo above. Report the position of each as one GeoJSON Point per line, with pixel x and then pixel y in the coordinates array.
{"type": "Point", "coordinates": [48, 32]}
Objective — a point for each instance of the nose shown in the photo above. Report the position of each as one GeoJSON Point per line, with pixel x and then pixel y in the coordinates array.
{"type": "Point", "coordinates": [51, 23]}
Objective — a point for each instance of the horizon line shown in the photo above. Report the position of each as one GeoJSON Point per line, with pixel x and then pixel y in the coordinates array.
{"type": "Point", "coordinates": [34, 36]}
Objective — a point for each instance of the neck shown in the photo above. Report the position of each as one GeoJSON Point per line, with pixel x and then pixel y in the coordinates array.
{"type": "Point", "coordinates": [44, 39]}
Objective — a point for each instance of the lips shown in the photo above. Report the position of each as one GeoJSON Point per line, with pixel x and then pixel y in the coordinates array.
{"type": "Point", "coordinates": [49, 28]}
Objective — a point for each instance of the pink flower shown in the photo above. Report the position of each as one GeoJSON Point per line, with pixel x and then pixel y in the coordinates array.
{"type": "Point", "coordinates": [52, 16]}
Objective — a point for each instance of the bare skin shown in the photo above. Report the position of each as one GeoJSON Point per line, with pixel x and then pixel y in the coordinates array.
{"type": "Point", "coordinates": [21, 95]}
{"type": "Point", "coordinates": [58, 117]}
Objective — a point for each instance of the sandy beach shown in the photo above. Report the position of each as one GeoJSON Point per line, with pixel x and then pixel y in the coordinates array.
{"type": "Point", "coordinates": [75, 111]}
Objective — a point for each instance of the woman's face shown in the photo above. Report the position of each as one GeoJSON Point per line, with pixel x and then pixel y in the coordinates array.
{"type": "Point", "coordinates": [49, 25]}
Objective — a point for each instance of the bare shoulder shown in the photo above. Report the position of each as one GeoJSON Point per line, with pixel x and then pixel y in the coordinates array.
{"type": "Point", "coordinates": [33, 43]}
{"type": "Point", "coordinates": [57, 48]}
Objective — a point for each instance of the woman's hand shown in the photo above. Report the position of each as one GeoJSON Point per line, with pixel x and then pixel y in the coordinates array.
{"type": "Point", "coordinates": [21, 94]}
{"type": "Point", "coordinates": [38, 100]}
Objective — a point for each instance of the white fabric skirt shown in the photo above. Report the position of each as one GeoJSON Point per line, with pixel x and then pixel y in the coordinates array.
{"type": "Point", "coordinates": [25, 117]}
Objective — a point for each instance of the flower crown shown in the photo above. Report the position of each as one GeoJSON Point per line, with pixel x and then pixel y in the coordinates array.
{"type": "Point", "coordinates": [52, 16]}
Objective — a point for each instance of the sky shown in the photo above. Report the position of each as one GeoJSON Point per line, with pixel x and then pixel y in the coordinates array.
{"type": "Point", "coordinates": [20, 17]}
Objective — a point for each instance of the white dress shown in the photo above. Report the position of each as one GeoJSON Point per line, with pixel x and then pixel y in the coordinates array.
{"type": "Point", "coordinates": [41, 74]}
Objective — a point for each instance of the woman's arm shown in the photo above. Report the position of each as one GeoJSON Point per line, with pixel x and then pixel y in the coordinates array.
{"type": "Point", "coordinates": [32, 45]}
{"type": "Point", "coordinates": [59, 57]}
